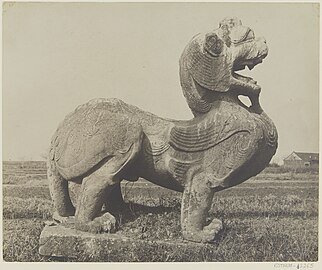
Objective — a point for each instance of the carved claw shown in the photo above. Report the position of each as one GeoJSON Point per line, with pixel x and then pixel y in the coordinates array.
{"type": "Point", "coordinates": [60, 219]}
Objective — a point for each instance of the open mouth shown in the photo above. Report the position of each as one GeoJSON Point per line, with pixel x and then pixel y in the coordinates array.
{"type": "Point", "coordinates": [244, 81]}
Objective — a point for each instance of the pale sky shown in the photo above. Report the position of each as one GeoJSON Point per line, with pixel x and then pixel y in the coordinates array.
{"type": "Point", "coordinates": [59, 55]}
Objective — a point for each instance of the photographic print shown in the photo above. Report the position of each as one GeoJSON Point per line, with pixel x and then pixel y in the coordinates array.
{"type": "Point", "coordinates": [160, 132]}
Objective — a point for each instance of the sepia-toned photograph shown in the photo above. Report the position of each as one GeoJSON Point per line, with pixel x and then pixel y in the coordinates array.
{"type": "Point", "coordinates": [160, 132]}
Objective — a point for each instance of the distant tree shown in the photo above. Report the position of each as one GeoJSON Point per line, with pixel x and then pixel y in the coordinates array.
{"type": "Point", "coordinates": [274, 165]}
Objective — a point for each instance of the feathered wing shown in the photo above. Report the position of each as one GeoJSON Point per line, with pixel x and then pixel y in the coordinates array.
{"type": "Point", "coordinates": [206, 134]}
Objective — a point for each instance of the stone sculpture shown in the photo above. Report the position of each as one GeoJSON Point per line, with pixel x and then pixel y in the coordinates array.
{"type": "Point", "coordinates": [209, 63]}
{"type": "Point", "coordinates": [106, 140]}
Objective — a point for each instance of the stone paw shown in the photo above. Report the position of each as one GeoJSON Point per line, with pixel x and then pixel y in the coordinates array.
{"type": "Point", "coordinates": [107, 222]}
{"type": "Point", "coordinates": [206, 235]}
{"type": "Point", "coordinates": [104, 223]}
{"type": "Point", "coordinates": [210, 231]}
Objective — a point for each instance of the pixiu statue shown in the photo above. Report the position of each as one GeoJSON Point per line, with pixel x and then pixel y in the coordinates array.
{"type": "Point", "coordinates": [106, 140]}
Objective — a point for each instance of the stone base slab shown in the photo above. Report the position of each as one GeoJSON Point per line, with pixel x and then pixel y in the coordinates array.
{"type": "Point", "coordinates": [66, 242]}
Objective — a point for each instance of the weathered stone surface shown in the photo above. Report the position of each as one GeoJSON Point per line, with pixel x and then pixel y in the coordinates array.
{"type": "Point", "coordinates": [106, 140]}
{"type": "Point", "coordinates": [61, 241]}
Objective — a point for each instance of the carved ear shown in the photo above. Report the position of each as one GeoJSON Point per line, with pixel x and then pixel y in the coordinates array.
{"type": "Point", "coordinates": [213, 44]}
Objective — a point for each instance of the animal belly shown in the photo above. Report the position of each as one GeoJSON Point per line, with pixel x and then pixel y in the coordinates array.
{"type": "Point", "coordinates": [164, 180]}
{"type": "Point", "coordinates": [155, 170]}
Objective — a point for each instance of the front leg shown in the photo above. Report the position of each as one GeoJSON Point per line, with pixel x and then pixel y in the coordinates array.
{"type": "Point", "coordinates": [196, 202]}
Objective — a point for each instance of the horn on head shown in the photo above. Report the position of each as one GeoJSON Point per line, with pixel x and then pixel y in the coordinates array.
{"type": "Point", "coordinates": [230, 22]}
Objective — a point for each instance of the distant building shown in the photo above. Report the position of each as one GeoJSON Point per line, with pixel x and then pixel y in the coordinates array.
{"type": "Point", "coordinates": [299, 159]}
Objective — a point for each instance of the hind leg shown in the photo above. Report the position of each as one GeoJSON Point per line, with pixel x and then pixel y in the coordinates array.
{"type": "Point", "coordinates": [113, 202]}
{"type": "Point", "coordinates": [98, 186]}
{"type": "Point", "coordinates": [94, 190]}
{"type": "Point", "coordinates": [58, 188]}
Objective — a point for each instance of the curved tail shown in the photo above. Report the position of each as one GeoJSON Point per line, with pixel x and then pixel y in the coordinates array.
{"type": "Point", "coordinates": [58, 188]}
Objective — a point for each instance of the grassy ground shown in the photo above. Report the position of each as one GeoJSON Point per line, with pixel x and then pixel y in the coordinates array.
{"type": "Point", "coordinates": [264, 221]}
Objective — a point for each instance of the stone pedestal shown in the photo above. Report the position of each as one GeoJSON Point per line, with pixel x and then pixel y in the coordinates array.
{"type": "Point", "coordinates": [66, 242]}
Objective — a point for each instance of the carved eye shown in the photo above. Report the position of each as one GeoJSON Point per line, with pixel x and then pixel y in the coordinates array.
{"type": "Point", "coordinates": [242, 34]}
{"type": "Point", "coordinates": [249, 35]}
{"type": "Point", "coordinates": [213, 44]}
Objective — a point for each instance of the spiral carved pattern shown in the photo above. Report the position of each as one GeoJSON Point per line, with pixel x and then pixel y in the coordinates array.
{"type": "Point", "coordinates": [270, 132]}
{"type": "Point", "coordinates": [156, 148]}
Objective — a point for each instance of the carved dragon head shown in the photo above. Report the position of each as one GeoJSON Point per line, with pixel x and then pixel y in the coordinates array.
{"type": "Point", "coordinates": [211, 61]}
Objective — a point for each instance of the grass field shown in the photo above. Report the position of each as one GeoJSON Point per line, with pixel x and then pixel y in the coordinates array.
{"type": "Point", "coordinates": [273, 217]}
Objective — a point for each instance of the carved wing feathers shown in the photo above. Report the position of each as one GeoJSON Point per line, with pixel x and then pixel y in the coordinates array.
{"type": "Point", "coordinates": [204, 135]}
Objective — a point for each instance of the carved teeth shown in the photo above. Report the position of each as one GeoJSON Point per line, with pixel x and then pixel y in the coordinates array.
{"type": "Point", "coordinates": [250, 63]}
{"type": "Point", "coordinates": [241, 77]}
{"type": "Point", "coordinates": [244, 79]}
